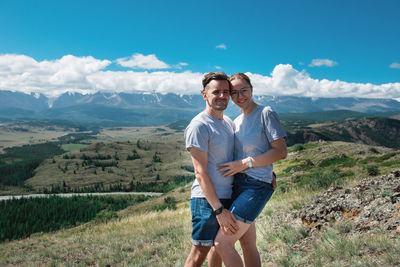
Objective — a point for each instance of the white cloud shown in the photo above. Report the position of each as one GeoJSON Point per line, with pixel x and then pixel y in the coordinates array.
{"type": "Point", "coordinates": [218, 67]}
{"type": "Point", "coordinates": [88, 75]}
{"type": "Point", "coordinates": [162, 81]}
{"type": "Point", "coordinates": [52, 78]}
{"type": "Point", "coordinates": [139, 61]}
{"type": "Point", "coordinates": [395, 65]}
{"type": "Point", "coordinates": [180, 65]}
{"type": "Point", "coordinates": [221, 46]}
{"type": "Point", "coordinates": [322, 62]}
{"type": "Point", "coordinates": [285, 80]}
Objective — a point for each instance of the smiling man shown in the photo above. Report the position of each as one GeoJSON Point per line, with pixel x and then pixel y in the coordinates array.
{"type": "Point", "coordinates": [209, 139]}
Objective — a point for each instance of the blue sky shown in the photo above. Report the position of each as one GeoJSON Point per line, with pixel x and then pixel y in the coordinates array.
{"type": "Point", "coordinates": [345, 42]}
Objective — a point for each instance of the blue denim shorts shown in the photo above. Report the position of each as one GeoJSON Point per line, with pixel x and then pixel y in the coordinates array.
{"type": "Point", "coordinates": [204, 222]}
{"type": "Point", "coordinates": [249, 197]}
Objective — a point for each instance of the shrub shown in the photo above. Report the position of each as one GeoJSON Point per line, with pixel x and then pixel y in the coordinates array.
{"type": "Point", "coordinates": [374, 150]}
{"type": "Point", "coordinates": [372, 170]}
{"type": "Point", "coordinates": [169, 203]}
{"type": "Point", "coordinates": [320, 180]}
{"type": "Point", "coordinates": [342, 160]}
{"type": "Point", "coordinates": [298, 147]}
{"type": "Point", "coordinates": [105, 216]}
{"type": "Point", "coordinates": [188, 168]}
{"type": "Point", "coordinates": [135, 155]}
{"type": "Point", "coordinates": [156, 157]}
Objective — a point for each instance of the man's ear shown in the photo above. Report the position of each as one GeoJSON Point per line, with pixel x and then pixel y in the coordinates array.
{"type": "Point", "coordinates": [203, 93]}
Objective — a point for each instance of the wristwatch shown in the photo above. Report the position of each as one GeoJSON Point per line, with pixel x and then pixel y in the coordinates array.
{"type": "Point", "coordinates": [250, 162]}
{"type": "Point", "coordinates": [219, 210]}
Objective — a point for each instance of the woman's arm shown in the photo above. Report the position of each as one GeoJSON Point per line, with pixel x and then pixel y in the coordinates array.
{"type": "Point", "coordinates": [277, 152]}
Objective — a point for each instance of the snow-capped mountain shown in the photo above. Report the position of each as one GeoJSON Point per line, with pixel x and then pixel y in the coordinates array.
{"type": "Point", "coordinates": [149, 107]}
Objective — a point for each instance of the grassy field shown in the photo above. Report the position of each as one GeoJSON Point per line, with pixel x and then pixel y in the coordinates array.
{"type": "Point", "coordinates": [20, 134]}
{"type": "Point", "coordinates": [142, 237]}
{"type": "Point", "coordinates": [73, 147]}
{"type": "Point", "coordinates": [154, 134]}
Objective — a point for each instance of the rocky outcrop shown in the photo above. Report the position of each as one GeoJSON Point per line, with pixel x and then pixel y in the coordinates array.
{"type": "Point", "coordinates": [373, 203]}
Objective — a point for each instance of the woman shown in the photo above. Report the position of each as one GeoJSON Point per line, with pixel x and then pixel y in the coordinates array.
{"type": "Point", "coordinates": [259, 142]}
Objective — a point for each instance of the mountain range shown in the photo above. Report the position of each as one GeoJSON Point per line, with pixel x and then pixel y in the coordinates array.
{"type": "Point", "coordinates": [151, 108]}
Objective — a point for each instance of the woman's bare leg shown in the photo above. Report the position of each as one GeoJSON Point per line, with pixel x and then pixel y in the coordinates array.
{"type": "Point", "coordinates": [248, 243]}
{"type": "Point", "coordinates": [249, 246]}
{"type": "Point", "coordinates": [214, 260]}
{"type": "Point", "coordinates": [225, 245]}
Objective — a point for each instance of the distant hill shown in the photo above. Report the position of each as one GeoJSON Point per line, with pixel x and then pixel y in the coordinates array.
{"type": "Point", "coordinates": [371, 131]}
{"type": "Point", "coordinates": [145, 109]}
{"type": "Point", "coordinates": [331, 115]}
{"type": "Point", "coordinates": [293, 121]}
{"type": "Point", "coordinates": [337, 125]}
{"type": "Point", "coordinates": [396, 117]}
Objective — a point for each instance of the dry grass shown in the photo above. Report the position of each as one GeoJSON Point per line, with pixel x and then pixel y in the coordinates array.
{"type": "Point", "coordinates": [154, 134]}
{"type": "Point", "coordinates": [151, 239]}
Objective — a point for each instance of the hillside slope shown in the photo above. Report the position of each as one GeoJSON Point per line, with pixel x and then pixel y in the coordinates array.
{"type": "Point", "coordinates": [371, 131]}
{"type": "Point", "coordinates": [134, 166]}
{"type": "Point", "coordinates": [141, 237]}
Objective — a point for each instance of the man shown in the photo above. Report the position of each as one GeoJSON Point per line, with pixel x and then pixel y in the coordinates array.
{"type": "Point", "coordinates": [209, 139]}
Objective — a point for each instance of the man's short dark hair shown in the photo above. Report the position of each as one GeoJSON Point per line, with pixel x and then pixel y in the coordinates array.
{"type": "Point", "coordinates": [240, 75]}
{"type": "Point", "coordinates": [219, 76]}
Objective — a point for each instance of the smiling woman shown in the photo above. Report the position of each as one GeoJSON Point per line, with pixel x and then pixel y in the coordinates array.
{"type": "Point", "coordinates": [259, 142]}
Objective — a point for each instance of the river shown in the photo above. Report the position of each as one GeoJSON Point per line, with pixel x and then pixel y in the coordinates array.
{"type": "Point", "coordinates": [81, 194]}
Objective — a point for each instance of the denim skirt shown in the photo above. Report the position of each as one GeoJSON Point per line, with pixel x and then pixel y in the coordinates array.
{"type": "Point", "coordinates": [249, 196]}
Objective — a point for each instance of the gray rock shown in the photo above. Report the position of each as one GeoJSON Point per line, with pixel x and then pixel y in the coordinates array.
{"type": "Point", "coordinates": [373, 203]}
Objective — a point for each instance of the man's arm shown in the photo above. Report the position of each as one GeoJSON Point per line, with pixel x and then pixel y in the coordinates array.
{"type": "Point", "coordinates": [226, 219]}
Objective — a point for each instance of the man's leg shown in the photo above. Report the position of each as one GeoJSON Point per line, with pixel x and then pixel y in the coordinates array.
{"type": "Point", "coordinates": [249, 247]}
{"type": "Point", "coordinates": [214, 259]}
{"type": "Point", "coordinates": [197, 256]}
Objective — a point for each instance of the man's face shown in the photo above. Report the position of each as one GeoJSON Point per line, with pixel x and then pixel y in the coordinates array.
{"type": "Point", "coordinates": [216, 94]}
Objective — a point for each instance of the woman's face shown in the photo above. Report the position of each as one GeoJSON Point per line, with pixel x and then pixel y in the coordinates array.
{"type": "Point", "coordinates": [241, 93]}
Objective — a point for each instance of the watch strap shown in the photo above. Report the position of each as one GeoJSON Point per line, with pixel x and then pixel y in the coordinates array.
{"type": "Point", "coordinates": [219, 210]}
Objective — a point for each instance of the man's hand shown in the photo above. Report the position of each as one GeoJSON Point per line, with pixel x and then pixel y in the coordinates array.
{"type": "Point", "coordinates": [227, 222]}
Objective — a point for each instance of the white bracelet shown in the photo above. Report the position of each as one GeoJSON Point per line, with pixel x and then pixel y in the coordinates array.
{"type": "Point", "coordinates": [250, 162]}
